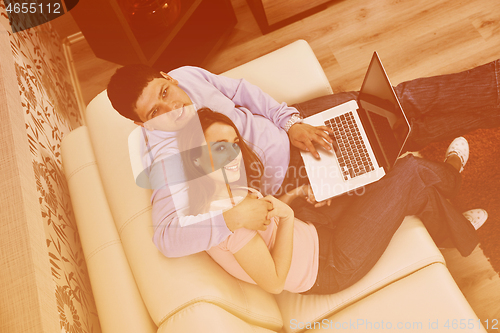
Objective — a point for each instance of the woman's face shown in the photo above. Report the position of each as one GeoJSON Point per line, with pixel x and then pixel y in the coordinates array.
{"type": "Point", "coordinates": [223, 153]}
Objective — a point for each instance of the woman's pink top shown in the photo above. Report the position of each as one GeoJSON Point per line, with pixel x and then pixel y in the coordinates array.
{"type": "Point", "coordinates": [304, 266]}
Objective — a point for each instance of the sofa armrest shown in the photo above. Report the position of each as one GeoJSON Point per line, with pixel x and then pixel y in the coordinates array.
{"type": "Point", "coordinates": [291, 74]}
{"type": "Point", "coordinates": [119, 304]}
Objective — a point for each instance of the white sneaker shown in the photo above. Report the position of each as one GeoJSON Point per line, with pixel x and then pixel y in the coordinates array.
{"type": "Point", "coordinates": [459, 147]}
{"type": "Point", "coordinates": [477, 217]}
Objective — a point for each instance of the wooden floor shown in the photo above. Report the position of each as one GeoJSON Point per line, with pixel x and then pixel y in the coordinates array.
{"type": "Point", "coordinates": [414, 38]}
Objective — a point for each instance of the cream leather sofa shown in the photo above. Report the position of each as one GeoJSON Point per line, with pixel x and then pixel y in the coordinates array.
{"type": "Point", "coordinates": [137, 289]}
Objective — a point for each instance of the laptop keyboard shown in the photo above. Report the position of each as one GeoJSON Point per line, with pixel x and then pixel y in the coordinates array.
{"type": "Point", "coordinates": [352, 156]}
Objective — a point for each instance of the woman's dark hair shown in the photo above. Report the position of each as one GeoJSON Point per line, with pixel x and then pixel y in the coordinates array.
{"type": "Point", "coordinates": [201, 188]}
{"type": "Point", "coordinates": [126, 86]}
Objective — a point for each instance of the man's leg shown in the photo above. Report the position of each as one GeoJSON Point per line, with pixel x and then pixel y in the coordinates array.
{"type": "Point", "coordinates": [439, 107]}
{"type": "Point", "coordinates": [323, 103]}
{"type": "Point", "coordinates": [444, 107]}
{"type": "Point", "coordinates": [414, 187]}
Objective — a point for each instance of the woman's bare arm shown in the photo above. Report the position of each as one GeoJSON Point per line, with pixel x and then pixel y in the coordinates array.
{"type": "Point", "coordinates": [270, 269]}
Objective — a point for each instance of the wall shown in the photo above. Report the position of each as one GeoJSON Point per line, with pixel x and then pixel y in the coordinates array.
{"type": "Point", "coordinates": [44, 285]}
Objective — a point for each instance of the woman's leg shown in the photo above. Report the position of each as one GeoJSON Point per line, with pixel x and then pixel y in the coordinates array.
{"type": "Point", "coordinates": [414, 187]}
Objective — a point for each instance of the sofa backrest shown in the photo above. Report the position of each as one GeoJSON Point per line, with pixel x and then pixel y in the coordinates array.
{"type": "Point", "coordinates": [291, 74]}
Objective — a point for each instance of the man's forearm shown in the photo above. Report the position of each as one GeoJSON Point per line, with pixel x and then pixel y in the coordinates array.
{"type": "Point", "coordinates": [174, 240]}
{"type": "Point", "coordinates": [177, 236]}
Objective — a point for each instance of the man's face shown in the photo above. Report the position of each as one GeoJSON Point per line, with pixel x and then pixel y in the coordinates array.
{"type": "Point", "coordinates": [163, 105]}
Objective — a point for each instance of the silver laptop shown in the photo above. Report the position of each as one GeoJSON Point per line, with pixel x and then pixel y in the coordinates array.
{"type": "Point", "coordinates": [370, 133]}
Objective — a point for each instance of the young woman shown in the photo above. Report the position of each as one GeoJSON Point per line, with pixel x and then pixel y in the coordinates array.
{"type": "Point", "coordinates": [313, 257]}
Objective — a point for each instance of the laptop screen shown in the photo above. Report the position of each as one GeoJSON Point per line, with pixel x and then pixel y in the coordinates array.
{"type": "Point", "coordinates": [386, 117]}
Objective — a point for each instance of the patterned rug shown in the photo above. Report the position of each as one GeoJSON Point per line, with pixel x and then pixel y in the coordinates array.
{"type": "Point", "coordinates": [481, 185]}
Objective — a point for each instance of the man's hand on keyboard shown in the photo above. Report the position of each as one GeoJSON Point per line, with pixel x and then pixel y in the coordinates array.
{"type": "Point", "coordinates": [303, 136]}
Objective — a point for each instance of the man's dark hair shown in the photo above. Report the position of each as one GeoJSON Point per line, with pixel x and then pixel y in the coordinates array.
{"type": "Point", "coordinates": [126, 85]}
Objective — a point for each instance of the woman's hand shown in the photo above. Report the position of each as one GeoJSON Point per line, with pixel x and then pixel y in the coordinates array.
{"type": "Point", "coordinates": [251, 213]}
{"type": "Point", "coordinates": [280, 209]}
{"type": "Point", "coordinates": [305, 191]}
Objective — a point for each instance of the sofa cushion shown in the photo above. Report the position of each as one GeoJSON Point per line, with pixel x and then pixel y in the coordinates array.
{"type": "Point", "coordinates": [425, 301]}
{"type": "Point", "coordinates": [410, 249]}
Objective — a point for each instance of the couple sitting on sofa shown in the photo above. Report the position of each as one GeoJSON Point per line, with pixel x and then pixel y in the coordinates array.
{"type": "Point", "coordinates": [338, 250]}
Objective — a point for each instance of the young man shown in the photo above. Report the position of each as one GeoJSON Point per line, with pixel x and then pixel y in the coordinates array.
{"type": "Point", "coordinates": [141, 94]}
{"type": "Point", "coordinates": [440, 108]}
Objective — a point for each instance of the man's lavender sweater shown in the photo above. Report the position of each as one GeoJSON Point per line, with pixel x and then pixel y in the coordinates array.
{"type": "Point", "coordinates": [260, 120]}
